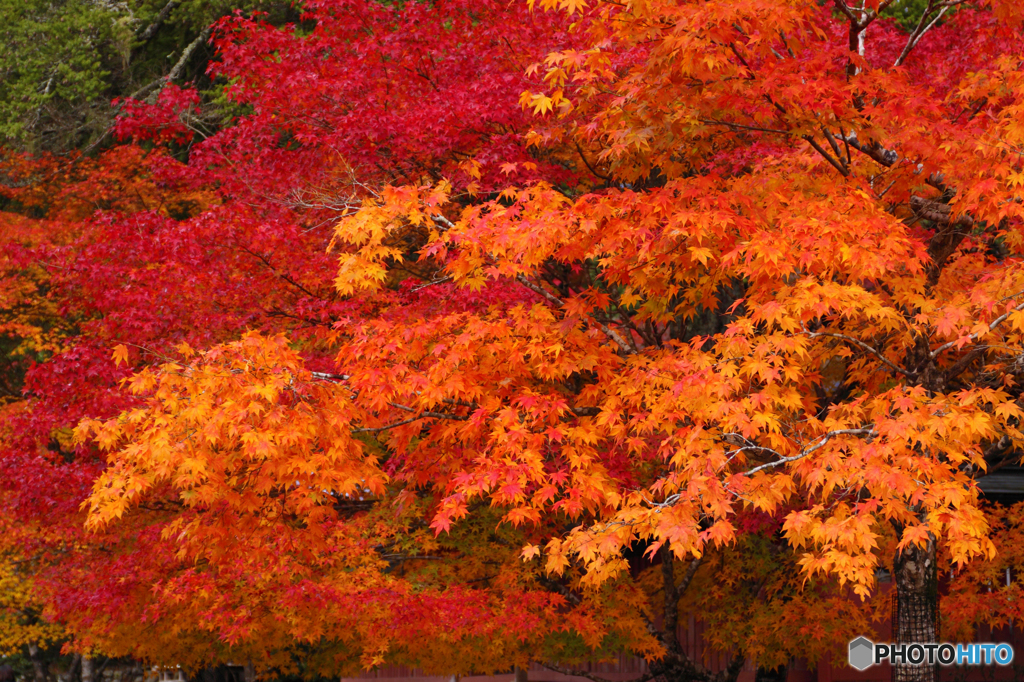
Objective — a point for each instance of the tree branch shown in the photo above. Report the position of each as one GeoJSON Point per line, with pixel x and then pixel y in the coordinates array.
{"type": "Point", "coordinates": [938, 212]}
{"type": "Point", "coordinates": [691, 571]}
{"type": "Point", "coordinates": [589, 675]}
{"type": "Point", "coordinates": [151, 30]}
{"type": "Point", "coordinates": [974, 337]}
{"type": "Point", "coordinates": [836, 163]}
{"type": "Point", "coordinates": [923, 26]}
{"type": "Point", "coordinates": [186, 54]}
{"type": "Point", "coordinates": [387, 426]}
{"type": "Point", "coordinates": [822, 441]}
{"type": "Point", "coordinates": [180, 65]}
{"type": "Point", "coordinates": [326, 376]}
{"type": "Point", "coordinates": [554, 586]}
{"type": "Point", "coordinates": [740, 126]}
{"type": "Point", "coordinates": [548, 296]}
{"type": "Point", "coordinates": [558, 303]}
{"type": "Point", "coordinates": [594, 172]}
{"type": "Point", "coordinates": [862, 345]}
{"type": "Point", "coordinates": [435, 415]}
{"type": "Point", "coordinates": [842, 7]}
{"type": "Point", "coordinates": [884, 157]}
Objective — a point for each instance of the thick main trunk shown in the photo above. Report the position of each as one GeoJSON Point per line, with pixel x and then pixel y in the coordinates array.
{"type": "Point", "coordinates": [38, 669]}
{"type": "Point", "coordinates": [916, 612]}
{"type": "Point", "coordinates": [88, 669]}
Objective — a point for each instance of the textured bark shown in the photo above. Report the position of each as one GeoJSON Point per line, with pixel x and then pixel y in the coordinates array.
{"type": "Point", "coordinates": [916, 612]}
{"type": "Point", "coordinates": [88, 669]}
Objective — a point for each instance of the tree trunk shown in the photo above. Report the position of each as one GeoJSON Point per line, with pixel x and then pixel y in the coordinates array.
{"type": "Point", "coordinates": [732, 673]}
{"type": "Point", "coordinates": [248, 673]}
{"type": "Point", "coordinates": [210, 675]}
{"type": "Point", "coordinates": [916, 612]}
{"type": "Point", "coordinates": [72, 673]}
{"type": "Point", "coordinates": [38, 669]}
{"type": "Point", "coordinates": [676, 666]}
{"type": "Point", "coordinates": [521, 674]}
{"type": "Point", "coordinates": [88, 669]}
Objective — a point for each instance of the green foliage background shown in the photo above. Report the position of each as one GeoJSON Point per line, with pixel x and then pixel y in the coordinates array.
{"type": "Point", "coordinates": [63, 61]}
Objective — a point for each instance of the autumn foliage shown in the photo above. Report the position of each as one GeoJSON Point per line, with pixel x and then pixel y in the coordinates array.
{"type": "Point", "coordinates": [484, 333]}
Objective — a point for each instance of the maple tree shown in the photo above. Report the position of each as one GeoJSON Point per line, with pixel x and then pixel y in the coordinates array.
{"type": "Point", "coordinates": [119, 233]}
{"type": "Point", "coordinates": [743, 277]}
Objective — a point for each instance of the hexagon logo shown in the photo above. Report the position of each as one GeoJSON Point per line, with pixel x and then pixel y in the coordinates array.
{"type": "Point", "coordinates": [862, 653]}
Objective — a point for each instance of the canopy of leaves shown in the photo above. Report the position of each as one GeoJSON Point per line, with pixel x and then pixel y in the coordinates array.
{"type": "Point", "coordinates": [452, 352]}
